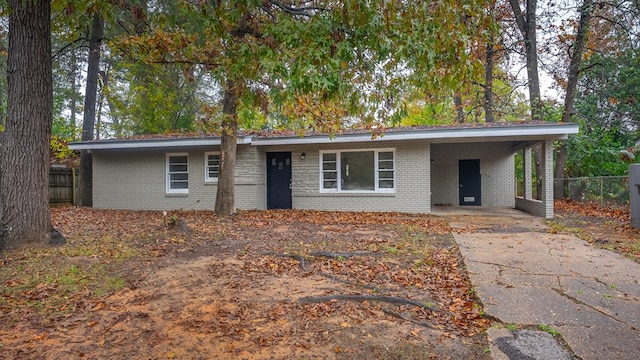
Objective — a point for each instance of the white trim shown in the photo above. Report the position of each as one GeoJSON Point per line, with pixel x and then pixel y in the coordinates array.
{"type": "Point", "coordinates": [168, 174]}
{"type": "Point", "coordinates": [487, 133]}
{"type": "Point", "coordinates": [554, 131]}
{"type": "Point", "coordinates": [149, 144]}
{"type": "Point", "coordinates": [207, 179]}
{"type": "Point", "coordinates": [376, 170]}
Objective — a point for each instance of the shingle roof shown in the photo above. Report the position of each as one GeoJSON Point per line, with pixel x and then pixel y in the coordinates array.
{"type": "Point", "coordinates": [272, 137]}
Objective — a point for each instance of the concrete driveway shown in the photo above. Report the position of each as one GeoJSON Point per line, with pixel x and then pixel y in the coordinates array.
{"type": "Point", "coordinates": [528, 277]}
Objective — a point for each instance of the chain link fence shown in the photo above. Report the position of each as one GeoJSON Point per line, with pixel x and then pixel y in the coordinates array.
{"type": "Point", "coordinates": [607, 190]}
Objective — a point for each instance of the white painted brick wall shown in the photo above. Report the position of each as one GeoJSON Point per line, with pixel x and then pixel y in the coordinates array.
{"type": "Point", "coordinates": [496, 170]}
{"type": "Point", "coordinates": [126, 180]}
{"type": "Point", "coordinates": [412, 179]}
{"type": "Point", "coordinates": [136, 181]}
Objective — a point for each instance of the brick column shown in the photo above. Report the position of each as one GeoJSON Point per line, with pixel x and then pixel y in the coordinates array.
{"type": "Point", "coordinates": [547, 176]}
{"type": "Point", "coordinates": [528, 181]}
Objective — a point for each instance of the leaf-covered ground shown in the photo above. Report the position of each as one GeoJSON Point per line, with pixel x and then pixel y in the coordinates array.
{"type": "Point", "coordinates": [258, 285]}
{"type": "Point", "coordinates": [604, 226]}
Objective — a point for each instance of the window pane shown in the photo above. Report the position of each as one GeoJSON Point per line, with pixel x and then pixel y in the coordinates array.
{"type": "Point", "coordinates": [178, 171]}
{"type": "Point", "coordinates": [332, 184]}
{"type": "Point", "coordinates": [213, 161]}
{"type": "Point", "coordinates": [213, 166]}
{"type": "Point", "coordinates": [178, 160]}
{"type": "Point", "coordinates": [329, 171]}
{"type": "Point", "coordinates": [179, 185]}
{"type": "Point", "coordinates": [329, 157]}
{"type": "Point", "coordinates": [385, 170]}
{"type": "Point", "coordinates": [385, 175]}
{"type": "Point", "coordinates": [385, 160]}
{"type": "Point", "coordinates": [357, 170]}
{"type": "Point", "coordinates": [329, 166]}
{"type": "Point", "coordinates": [386, 184]}
{"type": "Point", "coordinates": [330, 175]}
{"type": "Point", "coordinates": [178, 168]}
{"type": "Point", "coordinates": [179, 176]}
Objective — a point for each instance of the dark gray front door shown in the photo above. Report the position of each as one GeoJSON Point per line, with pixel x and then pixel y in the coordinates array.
{"type": "Point", "coordinates": [470, 182]}
{"type": "Point", "coordinates": [279, 180]}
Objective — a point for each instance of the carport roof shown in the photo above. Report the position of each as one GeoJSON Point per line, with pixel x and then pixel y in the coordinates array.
{"type": "Point", "coordinates": [461, 133]}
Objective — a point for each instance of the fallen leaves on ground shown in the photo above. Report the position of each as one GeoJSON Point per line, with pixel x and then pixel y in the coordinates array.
{"type": "Point", "coordinates": [605, 226]}
{"type": "Point", "coordinates": [128, 283]}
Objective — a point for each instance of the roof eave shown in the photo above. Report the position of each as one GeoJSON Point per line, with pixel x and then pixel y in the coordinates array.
{"type": "Point", "coordinates": [549, 131]}
{"type": "Point", "coordinates": [150, 144]}
{"type": "Point", "coordinates": [554, 131]}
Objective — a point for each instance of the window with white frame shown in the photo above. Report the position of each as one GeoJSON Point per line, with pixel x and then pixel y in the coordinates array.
{"type": "Point", "coordinates": [358, 171]}
{"type": "Point", "coordinates": [178, 173]}
{"type": "Point", "coordinates": [211, 166]}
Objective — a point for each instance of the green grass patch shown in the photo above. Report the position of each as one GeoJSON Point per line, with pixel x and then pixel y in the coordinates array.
{"type": "Point", "coordinates": [549, 329]}
{"type": "Point", "coordinates": [392, 250]}
{"type": "Point", "coordinates": [48, 281]}
{"type": "Point", "coordinates": [556, 227]}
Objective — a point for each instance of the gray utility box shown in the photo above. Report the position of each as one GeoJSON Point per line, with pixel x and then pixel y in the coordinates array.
{"type": "Point", "coordinates": [634, 194]}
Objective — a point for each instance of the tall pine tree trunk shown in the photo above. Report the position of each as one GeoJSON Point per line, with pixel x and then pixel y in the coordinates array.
{"type": "Point", "coordinates": [225, 196]}
{"type": "Point", "coordinates": [531, 47]}
{"type": "Point", "coordinates": [3, 90]}
{"type": "Point", "coordinates": [85, 180]}
{"type": "Point", "coordinates": [488, 83]}
{"type": "Point", "coordinates": [570, 96]}
{"type": "Point", "coordinates": [24, 162]}
{"type": "Point", "coordinates": [457, 101]}
{"type": "Point", "coordinates": [73, 102]}
{"type": "Point", "coordinates": [527, 25]}
{"type": "Point", "coordinates": [576, 59]}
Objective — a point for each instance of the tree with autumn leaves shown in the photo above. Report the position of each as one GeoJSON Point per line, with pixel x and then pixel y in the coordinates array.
{"type": "Point", "coordinates": [316, 63]}
{"type": "Point", "coordinates": [321, 62]}
{"type": "Point", "coordinates": [311, 65]}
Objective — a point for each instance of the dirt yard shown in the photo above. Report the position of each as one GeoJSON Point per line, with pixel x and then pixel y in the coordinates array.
{"type": "Point", "coordinates": [607, 227]}
{"type": "Point", "coordinates": [258, 285]}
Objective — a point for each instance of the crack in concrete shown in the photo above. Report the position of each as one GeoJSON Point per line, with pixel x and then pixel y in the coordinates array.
{"type": "Point", "coordinates": [600, 281]}
{"type": "Point", "coordinates": [580, 302]}
{"type": "Point", "coordinates": [499, 265]}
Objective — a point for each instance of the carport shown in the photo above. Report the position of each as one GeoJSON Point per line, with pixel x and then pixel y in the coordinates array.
{"type": "Point", "coordinates": [490, 168]}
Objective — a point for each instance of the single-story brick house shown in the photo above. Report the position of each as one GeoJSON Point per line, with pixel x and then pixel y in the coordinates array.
{"type": "Point", "coordinates": [404, 169]}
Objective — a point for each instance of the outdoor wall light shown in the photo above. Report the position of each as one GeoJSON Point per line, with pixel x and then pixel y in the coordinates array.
{"type": "Point", "coordinates": [302, 156]}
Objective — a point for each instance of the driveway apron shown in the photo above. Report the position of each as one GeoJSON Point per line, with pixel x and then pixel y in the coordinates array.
{"type": "Point", "coordinates": [528, 277]}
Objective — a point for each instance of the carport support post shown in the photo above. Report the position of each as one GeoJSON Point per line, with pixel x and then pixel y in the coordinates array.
{"type": "Point", "coordinates": [547, 184]}
{"type": "Point", "coordinates": [528, 180]}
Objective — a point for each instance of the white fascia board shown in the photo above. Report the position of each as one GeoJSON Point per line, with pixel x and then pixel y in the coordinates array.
{"type": "Point", "coordinates": [554, 131]}
{"type": "Point", "coordinates": [147, 144]}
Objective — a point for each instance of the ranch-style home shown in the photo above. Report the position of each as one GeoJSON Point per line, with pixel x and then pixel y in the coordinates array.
{"type": "Point", "coordinates": [405, 170]}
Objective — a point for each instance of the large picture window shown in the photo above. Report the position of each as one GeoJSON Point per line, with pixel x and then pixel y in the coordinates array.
{"type": "Point", "coordinates": [178, 173]}
{"type": "Point", "coordinates": [357, 171]}
{"type": "Point", "coordinates": [211, 166]}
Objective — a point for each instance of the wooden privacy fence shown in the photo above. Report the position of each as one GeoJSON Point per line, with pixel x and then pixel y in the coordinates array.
{"type": "Point", "coordinates": [62, 185]}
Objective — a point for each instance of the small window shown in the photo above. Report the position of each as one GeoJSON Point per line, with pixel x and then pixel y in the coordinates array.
{"type": "Point", "coordinates": [211, 166]}
{"type": "Point", "coordinates": [358, 171]}
{"type": "Point", "coordinates": [329, 171]}
{"type": "Point", "coordinates": [386, 170]}
{"type": "Point", "coordinates": [178, 173]}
